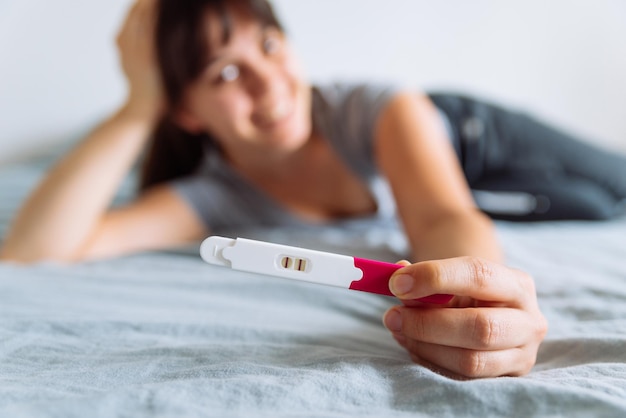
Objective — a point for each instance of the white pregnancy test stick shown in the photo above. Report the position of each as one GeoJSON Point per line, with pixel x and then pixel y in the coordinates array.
{"type": "Point", "coordinates": [303, 264]}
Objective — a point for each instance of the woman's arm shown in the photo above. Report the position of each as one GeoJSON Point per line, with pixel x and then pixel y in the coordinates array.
{"type": "Point", "coordinates": [432, 196]}
{"type": "Point", "coordinates": [493, 325]}
{"type": "Point", "coordinates": [64, 209]}
{"type": "Point", "coordinates": [66, 217]}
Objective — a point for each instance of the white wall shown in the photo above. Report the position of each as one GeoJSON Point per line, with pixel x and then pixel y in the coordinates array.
{"type": "Point", "coordinates": [58, 69]}
{"type": "Point", "coordinates": [562, 59]}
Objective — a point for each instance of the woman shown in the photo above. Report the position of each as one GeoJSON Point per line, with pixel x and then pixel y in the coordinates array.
{"type": "Point", "coordinates": [236, 137]}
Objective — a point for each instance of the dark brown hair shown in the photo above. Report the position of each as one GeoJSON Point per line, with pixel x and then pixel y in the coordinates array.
{"type": "Point", "coordinates": [182, 49]}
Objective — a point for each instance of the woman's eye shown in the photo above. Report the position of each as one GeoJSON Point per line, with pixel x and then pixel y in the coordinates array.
{"type": "Point", "coordinates": [271, 45]}
{"type": "Point", "coordinates": [229, 73]}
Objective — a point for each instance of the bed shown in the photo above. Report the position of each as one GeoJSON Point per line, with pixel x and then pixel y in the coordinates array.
{"type": "Point", "coordinates": [165, 334]}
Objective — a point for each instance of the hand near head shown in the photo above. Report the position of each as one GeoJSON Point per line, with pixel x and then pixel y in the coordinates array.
{"type": "Point", "coordinates": [137, 51]}
{"type": "Point", "coordinates": [492, 327]}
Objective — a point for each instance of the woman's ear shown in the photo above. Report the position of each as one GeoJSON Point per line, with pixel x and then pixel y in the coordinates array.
{"type": "Point", "coordinates": [187, 121]}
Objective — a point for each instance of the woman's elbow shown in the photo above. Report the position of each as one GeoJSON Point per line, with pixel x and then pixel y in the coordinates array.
{"type": "Point", "coordinates": [22, 256]}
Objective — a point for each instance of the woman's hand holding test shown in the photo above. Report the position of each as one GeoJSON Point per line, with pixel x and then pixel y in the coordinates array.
{"type": "Point", "coordinates": [492, 327]}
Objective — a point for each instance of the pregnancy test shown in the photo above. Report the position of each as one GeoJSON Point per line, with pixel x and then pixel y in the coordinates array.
{"type": "Point", "coordinates": [303, 264]}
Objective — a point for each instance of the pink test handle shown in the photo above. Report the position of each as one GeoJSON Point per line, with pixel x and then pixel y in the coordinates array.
{"type": "Point", "coordinates": [376, 276]}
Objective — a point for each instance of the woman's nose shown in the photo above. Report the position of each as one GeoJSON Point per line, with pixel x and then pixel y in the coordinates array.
{"type": "Point", "coordinates": [268, 83]}
{"type": "Point", "coordinates": [270, 93]}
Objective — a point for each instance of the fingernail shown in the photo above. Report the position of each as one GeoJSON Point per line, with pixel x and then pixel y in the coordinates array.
{"type": "Point", "coordinates": [393, 320]}
{"type": "Point", "coordinates": [401, 284]}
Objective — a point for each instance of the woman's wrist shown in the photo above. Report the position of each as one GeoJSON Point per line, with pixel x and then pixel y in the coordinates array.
{"type": "Point", "coordinates": [140, 111]}
{"type": "Point", "coordinates": [468, 234]}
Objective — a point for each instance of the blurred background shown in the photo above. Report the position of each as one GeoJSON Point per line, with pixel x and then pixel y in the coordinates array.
{"type": "Point", "coordinates": [563, 60]}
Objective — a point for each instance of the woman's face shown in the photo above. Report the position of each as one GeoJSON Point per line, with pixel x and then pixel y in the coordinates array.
{"type": "Point", "coordinates": [252, 95]}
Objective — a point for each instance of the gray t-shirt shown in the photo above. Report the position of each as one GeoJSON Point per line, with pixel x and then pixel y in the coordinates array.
{"type": "Point", "coordinates": [345, 114]}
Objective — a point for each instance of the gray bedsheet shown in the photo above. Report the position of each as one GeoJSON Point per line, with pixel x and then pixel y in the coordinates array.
{"type": "Point", "coordinates": [164, 334]}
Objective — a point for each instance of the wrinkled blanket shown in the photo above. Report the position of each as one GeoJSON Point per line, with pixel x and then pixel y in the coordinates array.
{"type": "Point", "coordinates": [164, 334]}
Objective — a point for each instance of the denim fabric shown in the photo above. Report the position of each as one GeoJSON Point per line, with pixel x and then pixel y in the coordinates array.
{"type": "Point", "coordinates": [520, 168]}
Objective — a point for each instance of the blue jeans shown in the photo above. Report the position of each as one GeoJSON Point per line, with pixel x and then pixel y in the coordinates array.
{"type": "Point", "coordinates": [524, 170]}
